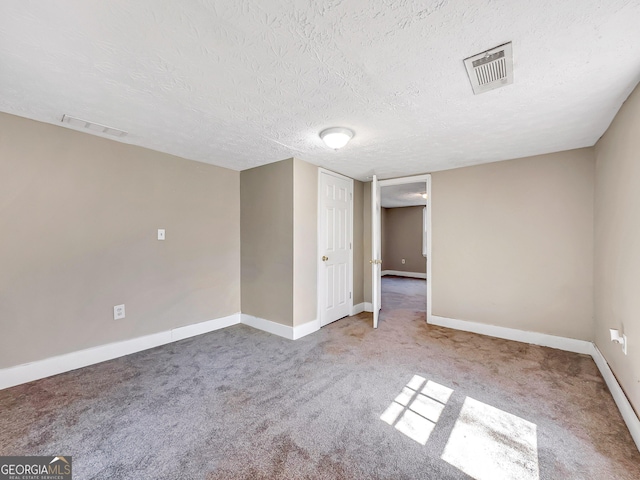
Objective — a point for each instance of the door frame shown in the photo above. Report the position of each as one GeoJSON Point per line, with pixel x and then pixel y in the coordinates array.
{"type": "Point", "coordinates": [429, 260]}
{"type": "Point", "coordinates": [319, 263]}
{"type": "Point", "coordinates": [376, 250]}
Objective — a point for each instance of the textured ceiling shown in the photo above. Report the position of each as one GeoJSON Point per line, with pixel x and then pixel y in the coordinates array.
{"type": "Point", "coordinates": [242, 83]}
{"type": "Point", "coordinates": [407, 195]}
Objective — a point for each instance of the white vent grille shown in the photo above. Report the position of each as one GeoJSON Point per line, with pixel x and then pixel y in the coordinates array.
{"type": "Point", "coordinates": [490, 69]}
{"type": "Point", "coordinates": [95, 127]}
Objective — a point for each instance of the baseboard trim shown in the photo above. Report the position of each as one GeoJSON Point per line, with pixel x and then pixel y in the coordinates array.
{"type": "Point", "coordinates": [535, 338]}
{"type": "Point", "coordinates": [359, 308]}
{"type": "Point", "coordinates": [368, 307]}
{"type": "Point", "coordinates": [305, 329]}
{"type": "Point", "coordinates": [196, 329]}
{"type": "Point", "coordinates": [267, 326]}
{"type": "Point", "coordinates": [275, 328]}
{"type": "Point", "coordinates": [626, 410]}
{"type": "Point", "coordinates": [12, 376]}
{"type": "Point", "coordinates": [399, 273]}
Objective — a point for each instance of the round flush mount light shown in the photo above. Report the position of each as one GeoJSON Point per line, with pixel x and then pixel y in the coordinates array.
{"type": "Point", "coordinates": [336, 137]}
{"type": "Point", "coordinates": [424, 195]}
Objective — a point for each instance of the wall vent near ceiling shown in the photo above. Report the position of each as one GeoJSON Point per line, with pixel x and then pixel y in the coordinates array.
{"type": "Point", "coordinates": [96, 127]}
{"type": "Point", "coordinates": [490, 69]}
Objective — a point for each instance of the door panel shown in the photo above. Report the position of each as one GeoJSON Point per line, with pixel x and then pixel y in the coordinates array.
{"type": "Point", "coordinates": [335, 247]}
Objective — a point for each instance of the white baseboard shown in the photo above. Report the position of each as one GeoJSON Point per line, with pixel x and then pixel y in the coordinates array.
{"type": "Point", "coordinates": [359, 308]}
{"type": "Point", "coordinates": [626, 410]}
{"type": "Point", "coordinates": [535, 338]}
{"type": "Point", "coordinates": [204, 327]}
{"type": "Point", "coordinates": [306, 329]}
{"type": "Point", "coordinates": [368, 307]}
{"type": "Point", "coordinates": [47, 367]}
{"type": "Point", "coordinates": [292, 333]}
{"type": "Point", "coordinates": [267, 326]}
{"type": "Point", "coordinates": [399, 273]}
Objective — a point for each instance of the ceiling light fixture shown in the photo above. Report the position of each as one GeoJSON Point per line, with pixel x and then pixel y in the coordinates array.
{"type": "Point", "coordinates": [336, 137]}
{"type": "Point", "coordinates": [424, 195]}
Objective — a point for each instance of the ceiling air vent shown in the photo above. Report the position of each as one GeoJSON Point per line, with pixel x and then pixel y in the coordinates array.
{"type": "Point", "coordinates": [490, 69]}
{"type": "Point", "coordinates": [95, 127]}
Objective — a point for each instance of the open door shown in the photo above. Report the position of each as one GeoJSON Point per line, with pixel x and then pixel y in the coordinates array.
{"type": "Point", "coordinates": [376, 261]}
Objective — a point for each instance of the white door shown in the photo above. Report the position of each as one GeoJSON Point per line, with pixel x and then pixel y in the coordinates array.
{"type": "Point", "coordinates": [376, 261]}
{"type": "Point", "coordinates": [334, 247]}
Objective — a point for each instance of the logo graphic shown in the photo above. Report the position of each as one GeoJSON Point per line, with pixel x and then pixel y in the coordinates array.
{"type": "Point", "coordinates": [36, 468]}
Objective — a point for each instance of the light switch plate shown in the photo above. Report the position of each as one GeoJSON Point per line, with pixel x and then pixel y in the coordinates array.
{"type": "Point", "coordinates": [118, 312]}
{"type": "Point", "coordinates": [161, 234]}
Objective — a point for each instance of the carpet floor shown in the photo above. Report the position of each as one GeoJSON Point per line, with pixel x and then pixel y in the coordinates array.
{"type": "Point", "coordinates": [405, 401]}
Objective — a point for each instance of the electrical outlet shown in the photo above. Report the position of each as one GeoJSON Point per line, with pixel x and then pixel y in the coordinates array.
{"type": "Point", "coordinates": [617, 338]}
{"type": "Point", "coordinates": [161, 234]}
{"type": "Point", "coordinates": [118, 312]}
{"type": "Point", "coordinates": [404, 261]}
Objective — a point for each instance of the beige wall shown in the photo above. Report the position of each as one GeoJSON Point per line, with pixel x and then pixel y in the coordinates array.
{"type": "Point", "coordinates": [513, 243]}
{"type": "Point", "coordinates": [305, 242]}
{"type": "Point", "coordinates": [266, 225]}
{"type": "Point", "coordinates": [79, 217]}
{"type": "Point", "coordinates": [358, 245]}
{"type": "Point", "coordinates": [617, 244]}
{"type": "Point", "coordinates": [402, 238]}
{"type": "Point", "coordinates": [279, 231]}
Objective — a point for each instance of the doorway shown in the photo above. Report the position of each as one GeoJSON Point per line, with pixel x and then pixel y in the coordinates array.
{"type": "Point", "coordinates": [401, 244]}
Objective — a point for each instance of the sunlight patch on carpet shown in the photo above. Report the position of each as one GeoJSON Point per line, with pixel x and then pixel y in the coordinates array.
{"type": "Point", "coordinates": [416, 410]}
{"type": "Point", "coordinates": [487, 443]}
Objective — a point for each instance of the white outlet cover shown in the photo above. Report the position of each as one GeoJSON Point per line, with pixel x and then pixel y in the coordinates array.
{"type": "Point", "coordinates": [118, 312]}
{"type": "Point", "coordinates": [161, 234]}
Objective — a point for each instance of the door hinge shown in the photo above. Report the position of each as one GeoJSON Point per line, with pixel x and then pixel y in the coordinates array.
{"type": "Point", "coordinates": [349, 294]}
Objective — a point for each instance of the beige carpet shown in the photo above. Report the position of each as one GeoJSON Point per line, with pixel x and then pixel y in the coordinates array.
{"type": "Point", "coordinates": [404, 401]}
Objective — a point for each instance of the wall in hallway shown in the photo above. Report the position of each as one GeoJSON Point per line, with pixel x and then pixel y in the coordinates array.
{"type": "Point", "coordinates": [402, 234]}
